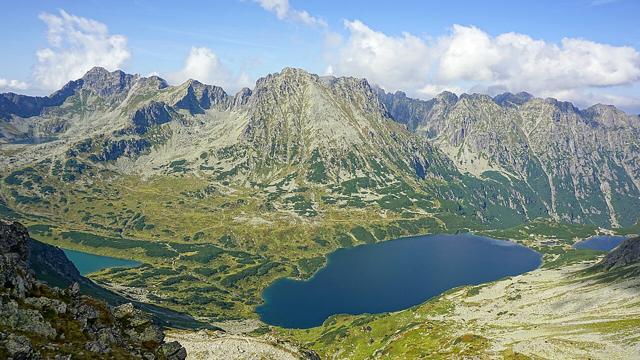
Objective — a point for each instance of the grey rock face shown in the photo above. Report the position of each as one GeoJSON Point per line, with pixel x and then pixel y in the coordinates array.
{"type": "Point", "coordinates": [25, 320]}
{"type": "Point", "coordinates": [579, 165]}
{"type": "Point", "coordinates": [509, 99]}
{"type": "Point", "coordinates": [18, 347]}
{"type": "Point", "coordinates": [200, 97]}
{"type": "Point", "coordinates": [242, 97]}
{"type": "Point", "coordinates": [14, 252]}
{"type": "Point", "coordinates": [155, 113]}
{"type": "Point", "coordinates": [43, 303]}
{"type": "Point", "coordinates": [624, 254]}
{"type": "Point", "coordinates": [173, 351]}
{"type": "Point", "coordinates": [107, 84]}
{"type": "Point", "coordinates": [31, 311]}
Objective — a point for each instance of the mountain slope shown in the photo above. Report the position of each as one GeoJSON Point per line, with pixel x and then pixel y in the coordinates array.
{"type": "Point", "coordinates": [570, 312]}
{"type": "Point", "coordinates": [41, 321]}
{"type": "Point", "coordinates": [222, 194]}
{"type": "Point", "coordinates": [239, 190]}
{"type": "Point", "coordinates": [582, 165]}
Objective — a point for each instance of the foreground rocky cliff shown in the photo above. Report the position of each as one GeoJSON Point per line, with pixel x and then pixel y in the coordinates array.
{"type": "Point", "coordinates": [624, 254]}
{"type": "Point", "coordinates": [38, 321]}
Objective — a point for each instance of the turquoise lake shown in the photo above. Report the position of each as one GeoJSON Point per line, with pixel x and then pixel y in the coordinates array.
{"type": "Point", "coordinates": [391, 276]}
{"type": "Point", "coordinates": [88, 263]}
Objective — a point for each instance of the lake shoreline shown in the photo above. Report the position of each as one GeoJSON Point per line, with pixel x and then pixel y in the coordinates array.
{"type": "Point", "coordinates": [367, 277]}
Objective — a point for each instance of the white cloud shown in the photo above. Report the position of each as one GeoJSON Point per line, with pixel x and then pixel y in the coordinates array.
{"type": "Point", "coordinates": [395, 63]}
{"type": "Point", "coordinates": [517, 61]}
{"type": "Point", "coordinates": [76, 44]}
{"type": "Point", "coordinates": [469, 58]}
{"type": "Point", "coordinates": [283, 10]}
{"type": "Point", "coordinates": [6, 84]}
{"type": "Point", "coordinates": [203, 65]}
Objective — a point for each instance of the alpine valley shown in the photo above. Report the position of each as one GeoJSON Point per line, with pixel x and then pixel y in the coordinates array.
{"type": "Point", "coordinates": [220, 195]}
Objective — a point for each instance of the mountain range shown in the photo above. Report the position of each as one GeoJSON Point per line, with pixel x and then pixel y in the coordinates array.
{"type": "Point", "coordinates": [333, 142]}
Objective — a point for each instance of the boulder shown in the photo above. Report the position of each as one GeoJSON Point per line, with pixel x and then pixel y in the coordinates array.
{"type": "Point", "coordinates": [43, 303]}
{"type": "Point", "coordinates": [18, 347]}
{"type": "Point", "coordinates": [173, 351]}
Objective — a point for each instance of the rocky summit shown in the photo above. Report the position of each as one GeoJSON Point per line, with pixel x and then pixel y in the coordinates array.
{"type": "Point", "coordinates": [42, 322]}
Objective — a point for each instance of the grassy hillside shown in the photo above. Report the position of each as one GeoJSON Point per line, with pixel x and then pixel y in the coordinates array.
{"type": "Point", "coordinates": [566, 312]}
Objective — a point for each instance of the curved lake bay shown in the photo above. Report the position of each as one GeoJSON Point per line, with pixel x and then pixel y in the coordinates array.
{"type": "Point", "coordinates": [600, 242]}
{"type": "Point", "coordinates": [391, 276]}
{"type": "Point", "coordinates": [87, 263]}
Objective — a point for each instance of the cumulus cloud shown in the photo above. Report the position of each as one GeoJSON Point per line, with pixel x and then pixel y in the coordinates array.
{"type": "Point", "coordinates": [12, 85]}
{"type": "Point", "coordinates": [283, 10]}
{"type": "Point", "coordinates": [76, 44]}
{"type": "Point", "coordinates": [395, 63]}
{"type": "Point", "coordinates": [469, 58]}
{"type": "Point", "coordinates": [518, 61]}
{"type": "Point", "coordinates": [203, 64]}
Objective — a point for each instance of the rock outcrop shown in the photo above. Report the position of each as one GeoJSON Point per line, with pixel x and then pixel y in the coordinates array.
{"type": "Point", "coordinates": [42, 322]}
{"type": "Point", "coordinates": [624, 254]}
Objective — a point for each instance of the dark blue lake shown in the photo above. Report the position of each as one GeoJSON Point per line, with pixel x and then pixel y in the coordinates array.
{"type": "Point", "coordinates": [88, 263]}
{"type": "Point", "coordinates": [391, 276]}
{"type": "Point", "coordinates": [600, 242]}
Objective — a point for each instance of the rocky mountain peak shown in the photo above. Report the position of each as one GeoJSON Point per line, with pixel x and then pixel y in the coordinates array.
{"type": "Point", "coordinates": [153, 81]}
{"type": "Point", "coordinates": [447, 97]}
{"type": "Point", "coordinates": [475, 97]}
{"type": "Point", "coordinates": [292, 84]}
{"type": "Point", "coordinates": [288, 79]}
{"type": "Point", "coordinates": [510, 99]}
{"type": "Point", "coordinates": [98, 80]}
{"type": "Point", "coordinates": [609, 116]}
{"type": "Point", "coordinates": [96, 72]}
{"type": "Point", "coordinates": [242, 97]}
{"type": "Point", "coordinates": [105, 83]}
{"type": "Point", "coordinates": [199, 97]}
{"type": "Point", "coordinates": [193, 83]}
{"type": "Point", "coordinates": [563, 106]}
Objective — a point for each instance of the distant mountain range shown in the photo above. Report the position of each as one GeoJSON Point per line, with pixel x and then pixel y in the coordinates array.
{"type": "Point", "coordinates": [501, 160]}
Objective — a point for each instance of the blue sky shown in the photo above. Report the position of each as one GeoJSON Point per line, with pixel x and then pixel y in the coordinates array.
{"type": "Point", "coordinates": [420, 47]}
